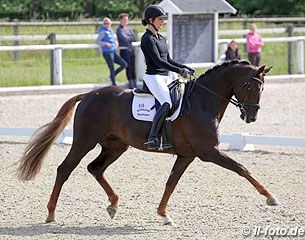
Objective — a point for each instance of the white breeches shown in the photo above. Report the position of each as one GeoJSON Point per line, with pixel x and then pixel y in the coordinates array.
{"type": "Point", "coordinates": [157, 84]}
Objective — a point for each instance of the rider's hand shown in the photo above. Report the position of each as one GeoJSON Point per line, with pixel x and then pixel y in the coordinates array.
{"type": "Point", "coordinates": [192, 70]}
{"type": "Point", "coordinates": [184, 72]}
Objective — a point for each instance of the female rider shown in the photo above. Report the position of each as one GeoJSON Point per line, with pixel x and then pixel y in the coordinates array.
{"type": "Point", "coordinates": [158, 65]}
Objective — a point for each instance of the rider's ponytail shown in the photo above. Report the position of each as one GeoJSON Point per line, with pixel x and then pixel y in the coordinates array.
{"type": "Point", "coordinates": [144, 22]}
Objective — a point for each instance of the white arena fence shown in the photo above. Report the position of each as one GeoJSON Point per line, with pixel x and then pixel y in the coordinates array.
{"type": "Point", "coordinates": [65, 137]}
{"type": "Point", "coordinates": [236, 141]}
{"type": "Point", "coordinates": [246, 142]}
{"type": "Point", "coordinates": [58, 49]}
{"type": "Point", "coordinates": [19, 37]}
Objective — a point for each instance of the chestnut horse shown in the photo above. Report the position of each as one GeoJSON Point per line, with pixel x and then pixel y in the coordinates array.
{"type": "Point", "coordinates": [104, 117]}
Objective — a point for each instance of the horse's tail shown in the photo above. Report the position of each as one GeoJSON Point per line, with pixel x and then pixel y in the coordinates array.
{"type": "Point", "coordinates": [41, 141]}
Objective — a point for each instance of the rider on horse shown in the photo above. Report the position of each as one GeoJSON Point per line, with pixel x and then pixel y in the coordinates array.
{"type": "Point", "coordinates": [158, 65]}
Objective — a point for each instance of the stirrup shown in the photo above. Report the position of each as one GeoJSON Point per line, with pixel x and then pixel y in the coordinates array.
{"type": "Point", "coordinates": [153, 144]}
{"type": "Point", "coordinates": [156, 144]}
{"type": "Point", "coordinates": [164, 145]}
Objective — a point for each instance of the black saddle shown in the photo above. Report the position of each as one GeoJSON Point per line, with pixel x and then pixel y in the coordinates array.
{"type": "Point", "coordinates": [174, 90]}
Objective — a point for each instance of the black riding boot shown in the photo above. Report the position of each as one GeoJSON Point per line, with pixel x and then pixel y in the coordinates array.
{"type": "Point", "coordinates": [153, 141]}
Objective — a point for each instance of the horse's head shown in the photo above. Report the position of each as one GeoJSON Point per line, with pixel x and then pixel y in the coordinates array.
{"type": "Point", "coordinates": [248, 91]}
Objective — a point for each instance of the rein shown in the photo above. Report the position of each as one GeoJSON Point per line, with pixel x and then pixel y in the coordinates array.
{"type": "Point", "coordinates": [241, 105]}
{"type": "Point", "coordinates": [231, 100]}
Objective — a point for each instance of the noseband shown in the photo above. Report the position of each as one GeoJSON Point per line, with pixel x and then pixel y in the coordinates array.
{"type": "Point", "coordinates": [243, 104]}
{"type": "Point", "coordinates": [240, 104]}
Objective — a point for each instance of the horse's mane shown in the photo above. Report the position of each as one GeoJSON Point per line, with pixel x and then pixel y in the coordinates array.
{"type": "Point", "coordinates": [218, 67]}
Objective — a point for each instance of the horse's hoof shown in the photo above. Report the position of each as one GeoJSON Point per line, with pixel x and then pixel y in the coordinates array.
{"type": "Point", "coordinates": [167, 220]}
{"type": "Point", "coordinates": [272, 202]}
{"type": "Point", "coordinates": [111, 211]}
{"type": "Point", "coordinates": [50, 219]}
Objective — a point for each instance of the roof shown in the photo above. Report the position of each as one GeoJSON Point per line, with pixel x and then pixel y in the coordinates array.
{"type": "Point", "coordinates": [197, 6]}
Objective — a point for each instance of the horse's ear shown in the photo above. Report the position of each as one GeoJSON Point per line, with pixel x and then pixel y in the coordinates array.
{"type": "Point", "coordinates": [260, 70]}
{"type": "Point", "coordinates": [267, 69]}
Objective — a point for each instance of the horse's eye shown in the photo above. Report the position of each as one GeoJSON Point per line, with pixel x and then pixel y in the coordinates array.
{"type": "Point", "coordinates": [255, 89]}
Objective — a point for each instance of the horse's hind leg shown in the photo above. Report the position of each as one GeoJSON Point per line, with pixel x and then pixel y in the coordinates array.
{"type": "Point", "coordinates": [77, 152]}
{"type": "Point", "coordinates": [223, 160]}
{"type": "Point", "coordinates": [110, 153]}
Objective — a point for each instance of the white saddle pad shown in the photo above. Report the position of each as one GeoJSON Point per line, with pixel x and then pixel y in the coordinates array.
{"type": "Point", "coordinates": [143, 110]}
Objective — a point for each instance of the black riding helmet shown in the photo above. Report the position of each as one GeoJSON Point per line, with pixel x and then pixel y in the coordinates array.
{"type": "Point", "coordinates": [152, 11]}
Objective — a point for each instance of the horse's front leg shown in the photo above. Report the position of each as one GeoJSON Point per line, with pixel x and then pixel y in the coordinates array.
{"type": "Point", "coordinates": [271, 199]}
{"type": "Point", "coordinates": [223, 160]}
{"type": "Point", "coordinates": [182, 162]}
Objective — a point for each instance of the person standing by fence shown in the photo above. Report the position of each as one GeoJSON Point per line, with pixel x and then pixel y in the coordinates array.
{"type": "Point", "coordinates": [125, 37]}
{"type": "Point", "coordinates": [254, 44]}
{"type": "Point", "coordinates": [106, 39]}
{"type": "Point", "coordinates": [232, 51]}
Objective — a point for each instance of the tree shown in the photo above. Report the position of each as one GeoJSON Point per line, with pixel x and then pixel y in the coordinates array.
{"type": "Point", "coordinates": [270, 7]}
{"type": "Point", "coordinates": [142, 4]}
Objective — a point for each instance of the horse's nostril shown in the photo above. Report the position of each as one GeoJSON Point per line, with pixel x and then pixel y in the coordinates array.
{"type": "Point", "coordinates": [252, 119]}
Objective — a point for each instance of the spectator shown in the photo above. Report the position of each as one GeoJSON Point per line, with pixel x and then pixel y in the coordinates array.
{"type": "Point", "coordinates": [106, 39]}
{"type": "Point", "coordinates": [125, 37]}
{"type": "Point", "coordinates": [254, 45]}
{"type": "Point", "coordinates": [232, 51]}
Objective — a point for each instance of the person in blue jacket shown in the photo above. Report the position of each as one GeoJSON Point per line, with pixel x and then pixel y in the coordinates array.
{"type": "Point", "coordinates": [106, 39]}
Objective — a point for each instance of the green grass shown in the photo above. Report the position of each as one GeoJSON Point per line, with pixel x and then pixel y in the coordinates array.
{"type": "Point", "coordinates": [88, 66]}
{"type": "Point", "coordinates": [25, 73]}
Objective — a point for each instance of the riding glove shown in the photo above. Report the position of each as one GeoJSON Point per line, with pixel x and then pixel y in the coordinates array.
{"type": "Point", "coordinates": [184, 72]}
{"type": "Point", "coordinates": [192, 70]}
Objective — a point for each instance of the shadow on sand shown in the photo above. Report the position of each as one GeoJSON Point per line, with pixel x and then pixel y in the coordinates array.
{"type": "Point", "coordinates": [43, 229]}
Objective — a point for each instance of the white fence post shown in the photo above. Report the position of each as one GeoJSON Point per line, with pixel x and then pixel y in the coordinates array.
{"type": "Point", "coordinates": [65, 137]}
{"type": "Point", "coordinates": [57, 66]}
{"type": "Point", "coordinates": [140, 61]}
{"type": "Point", "coordinates": [237, 142]}
{"type": "Point", "coordinates": [222, 48]}
{"type": "Point", "coordinates": [300, 56]}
